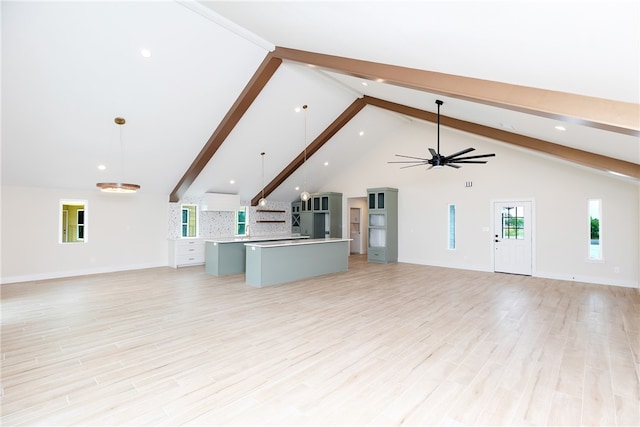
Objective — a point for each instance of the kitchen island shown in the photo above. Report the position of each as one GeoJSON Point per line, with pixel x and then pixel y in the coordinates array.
{"type": "Point", "coordinates": [226, 255]}
{"type": "Point", "coordinates": [271, 263]}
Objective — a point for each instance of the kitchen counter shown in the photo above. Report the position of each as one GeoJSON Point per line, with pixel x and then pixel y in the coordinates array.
{"type": "Point", "coordinates": [271, 263]}
{"type": "Point", "coordinates": [227, 255]}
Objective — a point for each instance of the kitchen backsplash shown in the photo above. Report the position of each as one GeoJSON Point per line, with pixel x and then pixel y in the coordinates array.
{"type": "Point", "coordinates": [222, 224]}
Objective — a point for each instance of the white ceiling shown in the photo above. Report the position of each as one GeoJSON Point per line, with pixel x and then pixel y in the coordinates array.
{"type": "Point", "coordinates": [69, 68]}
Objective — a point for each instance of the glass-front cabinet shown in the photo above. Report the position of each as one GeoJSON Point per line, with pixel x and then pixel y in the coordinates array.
{"type": "Point", "coordinates": [383, 225]}
{"type": "Point", "coordinates": [320, 216]}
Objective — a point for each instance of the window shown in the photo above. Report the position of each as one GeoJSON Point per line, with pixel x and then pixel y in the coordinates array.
{"type": "Point", "coordinates": [452, 227]}
{"type": "Point", "coordinates": [189, 223]}
{"type": "Point", "coordinates": [242, 229]}
{"type": "Point", "coordinates": [73, 221]}
{"type": "Point", "coordinates": [80, 222]}
{"type": "Point", "coordinates": [595, 229]}
{"type": "Point", "coordinates": [513, 222]}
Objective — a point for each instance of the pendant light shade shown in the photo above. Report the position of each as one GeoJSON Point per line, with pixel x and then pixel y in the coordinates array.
{"type": "Point", "coordinates": [262, 202]}
{"type": "Point", "coordinates": [304, 196]}
{"type": "Point", "coordinates": [119, 187]}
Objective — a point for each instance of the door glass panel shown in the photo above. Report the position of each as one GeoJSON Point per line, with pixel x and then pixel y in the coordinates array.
{"type": "Point", "coordinates": [513, 222]}
{"type": "Point", "coordinates": [372, 201]}
{"type": "Point", "coordinates": [325, 203]}
{"type": "Point", "coordinates": [380, 200]}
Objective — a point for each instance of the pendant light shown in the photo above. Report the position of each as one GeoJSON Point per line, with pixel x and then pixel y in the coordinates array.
{"type": "Point", "coordinates": [304, 196]}
{"type": "Point", "coordinates": [262, 202]}
{"type": "Point", "coordinates": [119, 187]}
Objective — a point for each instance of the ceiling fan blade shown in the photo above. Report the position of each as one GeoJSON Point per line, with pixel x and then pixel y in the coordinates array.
{"type": "Point", "coordinates": [459, 153]}
{"type": "Point", "coordinates": [466, 161]}
{"type": "Point", "coordinates": [452, 165]}
{"type": "Point", "coordinates": [412, 166]}
{"type": "Point", "coordinates": [411, 157]}
{"type": "Point", "coordinates": [424, 162]}
{"type": "Point", "coordinates": [433, 152]}
{"type": "Point", "coordinates": [479, 156]}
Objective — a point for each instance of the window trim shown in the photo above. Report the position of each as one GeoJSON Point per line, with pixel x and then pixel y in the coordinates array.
{"type": "Point", "coordinates": [451, 227]}
{"type": "Point", "coordinates": [185, 207]}
{"type": "Point", "coordinates": [85, 208]}
{"type": "Point", "coordinates": [600, 257]}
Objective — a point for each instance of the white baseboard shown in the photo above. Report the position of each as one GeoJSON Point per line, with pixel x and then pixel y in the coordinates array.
{"type": "Point", "coordinates": [588, 279]}
{"type": "Point", "coordinates": [74, 273]}
{"type": "Point", "coordinates": [542, 274]}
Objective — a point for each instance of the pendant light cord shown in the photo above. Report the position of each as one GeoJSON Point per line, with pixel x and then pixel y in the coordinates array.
{"type": "Point", "coordinates": [262, 154]}
{"type": "Point", "coordinates": [304, 107]}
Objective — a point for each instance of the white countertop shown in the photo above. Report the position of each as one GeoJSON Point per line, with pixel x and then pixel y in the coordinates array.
{"type": "Point", "coordinates": [296, 242]}
{"type": "Point", "coordinates": [255, 238]}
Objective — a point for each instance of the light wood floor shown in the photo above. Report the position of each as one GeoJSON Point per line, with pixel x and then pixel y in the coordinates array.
{"type": "Point", "coordinates": [378, 345]}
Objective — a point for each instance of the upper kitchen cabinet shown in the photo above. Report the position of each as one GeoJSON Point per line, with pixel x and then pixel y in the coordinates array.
{"type": "Point", "coordinates": [321, 215]}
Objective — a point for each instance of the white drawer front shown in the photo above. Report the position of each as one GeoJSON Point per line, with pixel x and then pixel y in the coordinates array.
{"type": "Point", "coordinates": [189, 250]}
{"type": "Point", "coordinates": [190, 259]}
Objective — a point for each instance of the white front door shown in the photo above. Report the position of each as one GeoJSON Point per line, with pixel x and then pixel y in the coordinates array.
{"type": "Point", "coordinates": [513, 237]}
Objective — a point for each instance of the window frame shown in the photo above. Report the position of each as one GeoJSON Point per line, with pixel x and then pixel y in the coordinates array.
{"type": "Point", "coordinates": [451, 227]}
{"type": "Point", "coordinates": [84, 206]}
{"type": "Point", "coordinates": [591, 210]}
{"type": "Point", "coordinates": [238, 223]}
{"type": "Point", "coordinates": [186, 207]}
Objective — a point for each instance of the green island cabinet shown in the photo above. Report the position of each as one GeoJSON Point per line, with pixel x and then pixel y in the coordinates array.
{"type": "Point", "coordinates": [382, 206]}
{"type": "Point", "coordinates": [320, 216]}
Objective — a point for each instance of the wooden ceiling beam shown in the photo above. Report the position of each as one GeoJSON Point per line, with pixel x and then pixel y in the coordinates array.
{"type": "Point", "coordinates": [609, 115]}
{"type": "Point", "coordinates": [574, 155]}
{"type": "Point", "coordinates": [251, 91]}
{"type": "Point", "coordinates": [613, 116]}
{"type": "Point", "coordinates": [344, 118]}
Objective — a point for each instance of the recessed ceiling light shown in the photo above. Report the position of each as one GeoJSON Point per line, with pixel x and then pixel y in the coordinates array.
{"type": "Point", "coordinates": [365, 84]}
{"type": "Point", "coordinates": [326, 163]}
{"type": "Point", "coordinates": [232, 181]}
{"type": "Point", "coordinates": [145, 53]}
{"type": "Point", "coordinates": [102, 167]}
{"type": "Point", "coordinates": [361, 133]}
{"type": "Point", "coordinates": [297, 188]}
{"type": "Point", "coordinates": [560, 128]}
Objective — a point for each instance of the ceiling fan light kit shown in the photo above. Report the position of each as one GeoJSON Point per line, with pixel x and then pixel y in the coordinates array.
{"type": "Point", "coordinates": [437, 160]}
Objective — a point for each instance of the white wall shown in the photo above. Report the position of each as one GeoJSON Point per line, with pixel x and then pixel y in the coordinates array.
{"type": "Point", "coordinates": [123, 232]}
{"type": "Point", "coordinates": [559, 189]}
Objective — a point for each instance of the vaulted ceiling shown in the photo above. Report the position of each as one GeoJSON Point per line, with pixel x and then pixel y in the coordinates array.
{"type": "Point", "coordinates": [224, 78]}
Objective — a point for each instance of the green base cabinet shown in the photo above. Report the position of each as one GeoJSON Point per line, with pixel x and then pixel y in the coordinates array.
{"type": "Point", "coordinates": [382, 230]}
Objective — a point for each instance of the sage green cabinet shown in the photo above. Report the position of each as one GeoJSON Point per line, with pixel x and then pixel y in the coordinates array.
{"type": "Point", "coordinates": [383, 224]}
{"type": "Point", "coordinates": [295, 217]}
{"type": "Point", "coordinates": [321, 215]}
